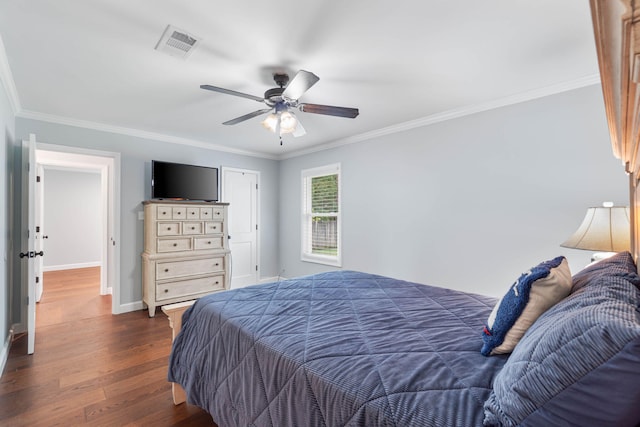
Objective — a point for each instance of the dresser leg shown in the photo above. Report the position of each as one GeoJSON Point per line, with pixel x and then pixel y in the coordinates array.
{"type": "Point", "coordinates": [152, 310]}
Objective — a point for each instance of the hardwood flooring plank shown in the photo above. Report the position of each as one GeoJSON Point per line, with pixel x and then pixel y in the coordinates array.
{"type": "Point", "coordinates": [91, 368]}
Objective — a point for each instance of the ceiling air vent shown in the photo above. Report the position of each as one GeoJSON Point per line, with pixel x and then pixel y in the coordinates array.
{"type": "Point", "coordinates": [177, 42]}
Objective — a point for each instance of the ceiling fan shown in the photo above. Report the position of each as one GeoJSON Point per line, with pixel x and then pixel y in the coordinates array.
{"type": "Point", "coordinates": [282, 99]}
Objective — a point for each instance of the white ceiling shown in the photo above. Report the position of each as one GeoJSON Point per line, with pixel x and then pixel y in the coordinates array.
{"type": "Point", "coordinates": [402, 63]}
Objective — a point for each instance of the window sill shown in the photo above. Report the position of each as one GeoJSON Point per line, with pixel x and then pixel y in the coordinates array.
{"type": "Point", "coordinates": [319, 259]}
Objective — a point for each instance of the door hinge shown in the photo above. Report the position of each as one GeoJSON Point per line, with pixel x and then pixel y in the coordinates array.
{"type": "Point", "coordinates": [256, 226]}
{"type": "Point", "coordinates": [256, 268]}
{"type": "Point", "coordinates": [256, 186]}
{"type": "Point", "coordinates": [37, 228]}
{"type": "Point", "coordinates": [37, 279]}
{"type": "Point", "coordinates": [38, 178]}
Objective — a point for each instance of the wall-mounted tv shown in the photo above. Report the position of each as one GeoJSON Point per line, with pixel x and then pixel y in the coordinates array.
{"type": "Point", "coordinates": [179, 181]}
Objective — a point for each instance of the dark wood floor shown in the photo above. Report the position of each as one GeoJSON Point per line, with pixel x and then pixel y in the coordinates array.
{"type": "Point", "coordinates": [91, 367]}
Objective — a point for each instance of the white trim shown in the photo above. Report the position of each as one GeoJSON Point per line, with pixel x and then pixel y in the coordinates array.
{"type": "Point", "coordinates": [34, 115]}
{"type": "Point", "coordinates": [130, 306]}
{"type": "Point", "coordinates": [72, 266]}
{"type": "Point", "coordinates": [264, 280]}
{"type": "Point", "coordinates": [6, 78]}
{"type": "Point", "coordinates": [451, 114]}
{"type": "Point", "coordinates": [108, 163]}
{"type": "Point", "coordinates": [305, 246]}
{"type": "Point", "coordinates": [4, 352]}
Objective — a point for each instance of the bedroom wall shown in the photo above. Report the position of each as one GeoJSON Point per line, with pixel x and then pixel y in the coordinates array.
{"type": "Point", "coordinates": [468, 203]}
{"type": "Point", "coordinates": [72, 219]}
{"type": "Point", "coordinates": [135, 163]}
{"type": "Point", "coordinates": [7, 127]}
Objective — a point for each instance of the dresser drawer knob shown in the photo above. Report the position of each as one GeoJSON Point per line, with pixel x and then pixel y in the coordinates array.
{"type": "Point", "coordinates": [193, 213]}
{"type": "Point", "coordinates": [166, 290]}
{"type": "Point", "coordinates": [217, 283]}
{"type": "Point", "coordinates": [209, 242]}
{"type": "Point", "coordinates": [217, 264]}
{"type": "Point", "coordinates": [164, 213]}
{"type": "Point", "coordinates": [193, 228]}
{"type": "Point", "coordinates": [168, 228]}
{"type": "Point", "coordinates": [175, 244]}
{"type": "Point", "coordinates": [166, 270]}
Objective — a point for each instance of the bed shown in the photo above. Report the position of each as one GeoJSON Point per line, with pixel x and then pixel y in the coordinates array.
{"type": "Point", "coordinates": [348, 348]}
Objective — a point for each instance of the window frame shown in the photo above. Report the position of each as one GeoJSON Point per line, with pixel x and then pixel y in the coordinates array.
{"type": "Point", "coordinates": [305, 236]}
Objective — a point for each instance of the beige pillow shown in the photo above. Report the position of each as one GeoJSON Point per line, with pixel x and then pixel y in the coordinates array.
{"type": "Point", "coordinates": [532, 294]}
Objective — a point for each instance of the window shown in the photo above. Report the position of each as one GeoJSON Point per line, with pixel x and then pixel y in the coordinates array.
{"type": "Point", "coordinates": [321, 223]}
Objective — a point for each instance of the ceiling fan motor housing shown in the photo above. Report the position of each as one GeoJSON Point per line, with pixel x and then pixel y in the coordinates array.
{"type": "Point", "coordinates": [273, 96]}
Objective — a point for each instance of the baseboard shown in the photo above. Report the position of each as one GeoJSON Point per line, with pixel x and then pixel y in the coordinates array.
{"type": "Point", "coordinates": [271, 279]}
{"type": "Point", "coordinates": [71, 266]}
{"type": "Point", "coordinates": [131, 306]}
{"type": "Point", "coordinates": [4, 352]}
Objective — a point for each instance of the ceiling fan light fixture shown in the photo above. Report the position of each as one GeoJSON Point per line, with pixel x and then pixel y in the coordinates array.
{"type": "Point", "coordinates": [288, 122]}
{"type": "Point", "coordinates": [271, 122]}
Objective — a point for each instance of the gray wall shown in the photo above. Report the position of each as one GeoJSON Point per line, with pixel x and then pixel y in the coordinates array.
{"type": "Point", "coordinates": [468, 203]}
{"type": "Point", "coordinates": [73, 219]}
{"type": "Point", "coordinates": [135, 175]}
{"type": "Point", "coordinates": [6, 161]}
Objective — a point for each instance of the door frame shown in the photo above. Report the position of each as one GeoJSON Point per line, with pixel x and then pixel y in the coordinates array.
{"type": "Point", "coordinates": [223, 171]}
{"type": "Point", "coordinates": [108, 165]}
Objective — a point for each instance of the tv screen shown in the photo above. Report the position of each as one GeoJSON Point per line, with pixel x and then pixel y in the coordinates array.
{"type": "Point", "coordinates": [178, 181]}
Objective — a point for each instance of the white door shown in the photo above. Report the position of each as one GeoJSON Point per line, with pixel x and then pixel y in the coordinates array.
{"type": "Point", "coordinates": [39, 235]}
{"type": "Point", "coordinates": [240, 190]}
{"type": "Point", "coordinates": [28, 236]}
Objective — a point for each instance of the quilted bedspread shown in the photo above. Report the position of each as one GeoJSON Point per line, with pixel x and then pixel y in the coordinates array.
{"type": "Point", "coordinates": [342, 348]}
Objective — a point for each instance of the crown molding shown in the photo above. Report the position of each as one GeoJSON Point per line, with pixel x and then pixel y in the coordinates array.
{"type": "Point", "coordinates": [7, 80]}
{"type": "Point", "coordinates": [452, 114]}
{"type": "Point", "coordinates": [26, 114]}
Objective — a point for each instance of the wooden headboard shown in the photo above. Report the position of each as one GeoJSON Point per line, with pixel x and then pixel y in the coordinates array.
{"type": "Point", "coordinates": [616, 25]}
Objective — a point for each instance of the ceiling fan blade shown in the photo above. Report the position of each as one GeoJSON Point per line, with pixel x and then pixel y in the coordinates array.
{"type": "Point", "coordinates": [231, 92]}
{"type": "Point", "coordinates": [300, 83]}
{"type": "Point", "coordinates": [329, 110]}
{"type": "Point", "coordinates": [246, 117]}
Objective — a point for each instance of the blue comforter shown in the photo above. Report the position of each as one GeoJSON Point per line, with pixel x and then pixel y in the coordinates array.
{"type": "Point", "coordinates": [337, 349]}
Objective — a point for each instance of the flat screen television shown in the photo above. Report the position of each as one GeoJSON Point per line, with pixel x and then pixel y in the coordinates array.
{"type": "Point", "coordinates": [179, 181]}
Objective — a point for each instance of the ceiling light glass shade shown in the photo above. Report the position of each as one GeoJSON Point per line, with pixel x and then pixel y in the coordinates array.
{"type": "Point", "coordinates": [288, 122]}
{"type": "Point", "coordinates": [604, 228]}
{"type": "Point", "coordinates": [271, 122]}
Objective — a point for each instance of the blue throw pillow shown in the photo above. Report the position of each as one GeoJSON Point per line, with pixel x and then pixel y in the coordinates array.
{"type": "Point", "coordinates": [531, 295]}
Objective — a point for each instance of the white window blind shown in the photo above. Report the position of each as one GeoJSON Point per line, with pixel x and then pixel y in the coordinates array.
{"type": "Point", "coordinates": [321, 225]}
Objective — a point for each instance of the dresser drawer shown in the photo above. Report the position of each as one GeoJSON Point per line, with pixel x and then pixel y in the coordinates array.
{"type": "Point", "coordinates": [218, 213]}
{"type": "Point", "coordinates": [206, 213]}
{"type": "Point", "coordinates": [174, 245]}
{"type": "Point", "coordinates": [168, 228]}
{"type": "Point", "coordinates": [191, 228]}
{"type": "Point", "coordinates": [171, 269]}
{"type": "Point", "coordinates": [207, 243]}
{"type": "Point", "coordinates": [193, 213]}
{"type": "Point", "coordinates": [189, 287]}
{"type": "Point", "coordinates": [213, 227]}
{"type": "Point", "coordinates": [179, 212]}
{"type": "Point", "coordinates": [163, 212]}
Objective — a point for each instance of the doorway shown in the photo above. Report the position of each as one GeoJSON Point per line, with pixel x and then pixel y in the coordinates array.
{"type": "Point", "coordinates": [99, 172]}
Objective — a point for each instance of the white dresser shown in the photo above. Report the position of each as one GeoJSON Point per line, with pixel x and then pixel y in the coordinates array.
{"type": "Point", "coordinates": [186, 251]}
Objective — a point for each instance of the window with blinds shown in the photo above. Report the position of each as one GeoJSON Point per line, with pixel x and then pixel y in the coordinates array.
{"type": "Point", "coordinates": [321, 215]}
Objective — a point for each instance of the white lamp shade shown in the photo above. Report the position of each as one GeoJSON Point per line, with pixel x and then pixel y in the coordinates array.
{"type": "Point", "coordinates": [604, 228]}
